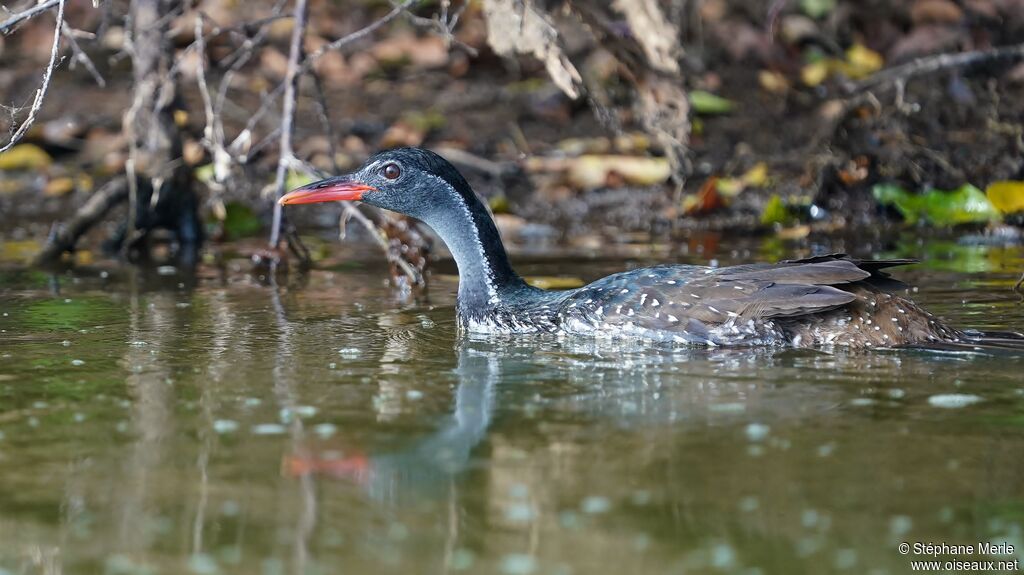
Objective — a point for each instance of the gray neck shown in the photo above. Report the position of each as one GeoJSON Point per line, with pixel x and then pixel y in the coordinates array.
{"type": "Point", "coordinates": [485, 275]}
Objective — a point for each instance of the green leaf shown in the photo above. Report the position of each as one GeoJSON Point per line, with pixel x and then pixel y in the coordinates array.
{"type": "Point", "coordinates": [775, 212]}
{"type": "Point", "coordinates": [708, 103]}
{"type": "Point", "coordinates": [297, 180]}
{"type": "Point", "coordinates": [240, 221]}
{"type": "Point", "coordinates": [204, 173]}
{"type": "Point", "coordinates": [966, 204]}
{"type": "Point", "coordinates": [908, 205]}
{"type": "Point", "coordinates": [817, 8]}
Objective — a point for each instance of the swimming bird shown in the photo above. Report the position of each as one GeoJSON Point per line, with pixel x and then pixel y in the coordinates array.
{"type": "Point", "coordinates": [820, 301]}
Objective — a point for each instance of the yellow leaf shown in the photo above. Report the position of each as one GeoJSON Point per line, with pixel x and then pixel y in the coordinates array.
{"type": "Point", "coordinates": [756, 176]}
{"type": "Point", "coordinates": [862, 61]}
{"type": "Point", "coordinates": [18, 251]}
{"type": "Point", "coordinates": [84, 258]}
{"type": "Point", "coordinates": [814, 74]}
{"type": "Point", "coordinates": [730, 186]}
{"type": "Point", "coordinates": [1007, 197]}
{"type": "Point", "coordinates": [773, 82]}
{"type": "Point", "coordinates": [592, 171]}
{"type": "Point", "coordinates": [59, 187]}
{"type": "Point", "coordinates": [84, 182]}
{"type": "Point", "coordinates": [25, 157]}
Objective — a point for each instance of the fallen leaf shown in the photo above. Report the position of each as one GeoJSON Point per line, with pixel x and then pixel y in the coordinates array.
{"type": "Point", "coordinates": [794, 233]}
{"type": "Point", "coordinates": [24, 157]}
{"type": "Point", "coordinates": [707, 103]}
{"type": "Point", "coordinates": [935, 12]}
{"type": "Point", "coordinates": [775, 212]}
{"type": "Point", "coordinates": [1007, 197]}
{"type": "Point", "coordinates": [773, 82]}
{"type": "Point", "coordinates": [815, 73]}
{"type": "Point", "coordinates": [755, 177]}
{"type": "Point", "coordinates": [861, 62]}
{"type": "Point", "coordinates": [593, 171]}
{"type": "Point", "coordinates": [706, 200]}
{"type": "Point", "coordinates": [817, 8]}
{"type": "Point", "coordinates": [59, 186]}
{"type": "Point", "coordinates": [966, 204]}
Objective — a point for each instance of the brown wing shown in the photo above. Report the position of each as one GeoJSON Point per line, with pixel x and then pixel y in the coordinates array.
{"type": "Point", "coordinates": [694, 299]}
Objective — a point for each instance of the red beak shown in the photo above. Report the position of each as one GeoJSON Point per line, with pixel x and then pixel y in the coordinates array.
{"type": "Point", "coordinates": [330, 190]}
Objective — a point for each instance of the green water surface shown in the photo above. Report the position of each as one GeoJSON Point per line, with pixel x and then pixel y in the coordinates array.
{"type": "Point", "coordinates": [156, 422]}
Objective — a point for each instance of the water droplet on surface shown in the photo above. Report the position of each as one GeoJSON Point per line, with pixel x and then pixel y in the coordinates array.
{"type": "Point", "coordinates": [900, 525]}
{"type": "Point", "coordinates": [225, 426]}
{"type": "Point", "coordinates": [518, 564]}
{"type": "Point", "coordinates": [953, 400]}
{"type": "Point", "coordinates": [268, 429]}
{"type": "Point", "coordinates": [757, 431]}
{"type": "Point", "coordinates": [325, 430]}
{"type": "Point", "coordinates": [519, 513]}
{"type": "Point", "coordinates": [595, 504]}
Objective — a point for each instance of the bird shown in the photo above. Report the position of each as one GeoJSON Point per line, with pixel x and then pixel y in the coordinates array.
{"type": "Point", "coordinates": [826, 300]}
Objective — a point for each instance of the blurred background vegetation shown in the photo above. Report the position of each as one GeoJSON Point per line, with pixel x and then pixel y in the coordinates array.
{"type": "Point", "coordinates": [581, 122]}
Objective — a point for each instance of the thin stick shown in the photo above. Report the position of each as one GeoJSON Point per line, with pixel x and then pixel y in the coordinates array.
{"type": "Point", "coordinates": [930, 64]}
{"type": "Point", "coordinates": [64, 237]}
{"type": "Point", "coordinates": [287, 155]}
{"type": "Point", "coordinates": [37, 103]}
{"type": "Point", "coordinates": [361, 33]}
{"type": "Point", "coordinates": [81, 57]}
{"type": "Point", "coordinates": [25, 15]}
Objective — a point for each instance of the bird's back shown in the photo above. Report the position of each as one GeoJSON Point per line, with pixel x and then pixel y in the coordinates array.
{"type": "Point", "coordinates": [826, 300]}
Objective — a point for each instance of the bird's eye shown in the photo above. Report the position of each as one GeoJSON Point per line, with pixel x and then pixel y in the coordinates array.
{"type": "Point", "coordinates": [391, 171]}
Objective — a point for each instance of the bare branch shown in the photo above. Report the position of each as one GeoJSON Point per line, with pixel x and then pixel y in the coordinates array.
{"type": "Point", "coordinates": [26, 14]}
{"type": "Point", "coordinates": [931, 64]}
{"type": "Point", "coordinates": [79, 54]}
{"type": "Point", "coordinates": [291, 89]}
{"type": "Point", "coordinates": [37, 103]}
{"type": "Point", "coordinates": [358, 34]}
{"type": "Point", "coordinates": [64, 237]}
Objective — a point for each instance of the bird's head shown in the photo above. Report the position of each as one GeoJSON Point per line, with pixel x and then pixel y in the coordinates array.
{"type": "Point", "coordinates": [410, 181]}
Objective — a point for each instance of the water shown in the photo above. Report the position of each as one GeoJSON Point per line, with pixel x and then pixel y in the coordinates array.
{"type": "Point", "coordinates": [152, 422]}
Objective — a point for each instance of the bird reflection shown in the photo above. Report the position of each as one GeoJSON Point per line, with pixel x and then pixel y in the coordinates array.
{"type": "Point", "coordinates": [612, 385]}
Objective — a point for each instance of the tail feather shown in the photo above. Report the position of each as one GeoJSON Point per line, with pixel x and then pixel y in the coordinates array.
{"type": "Point", "coordinates": [976, 341]}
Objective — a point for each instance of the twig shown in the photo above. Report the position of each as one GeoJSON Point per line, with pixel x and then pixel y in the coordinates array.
{"type": "Point", "coordinates": [930, 64]}
{"type": "Point", "coordinates": [80, 56]}
{"type": "Point", "coordinates": [26, 14]}
{"type": "Point", "coordinates": [291, 82]}
{"type": "Point", "coordinates": [37, 103]}
{"type": "Point", "coordinates": [64, 237]}
{"type": "Point", "coordinates": [307, 64]}
{"type": "Point", "coordinates": [358, 34]}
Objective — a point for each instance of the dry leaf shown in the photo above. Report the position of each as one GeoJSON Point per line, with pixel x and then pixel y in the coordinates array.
{"type": "Point", "coordinates": [517, 27]}
{"type": "Point", "coordinates": [593, 171]}
{"type": "Point", "coordinates": [653, 31]}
